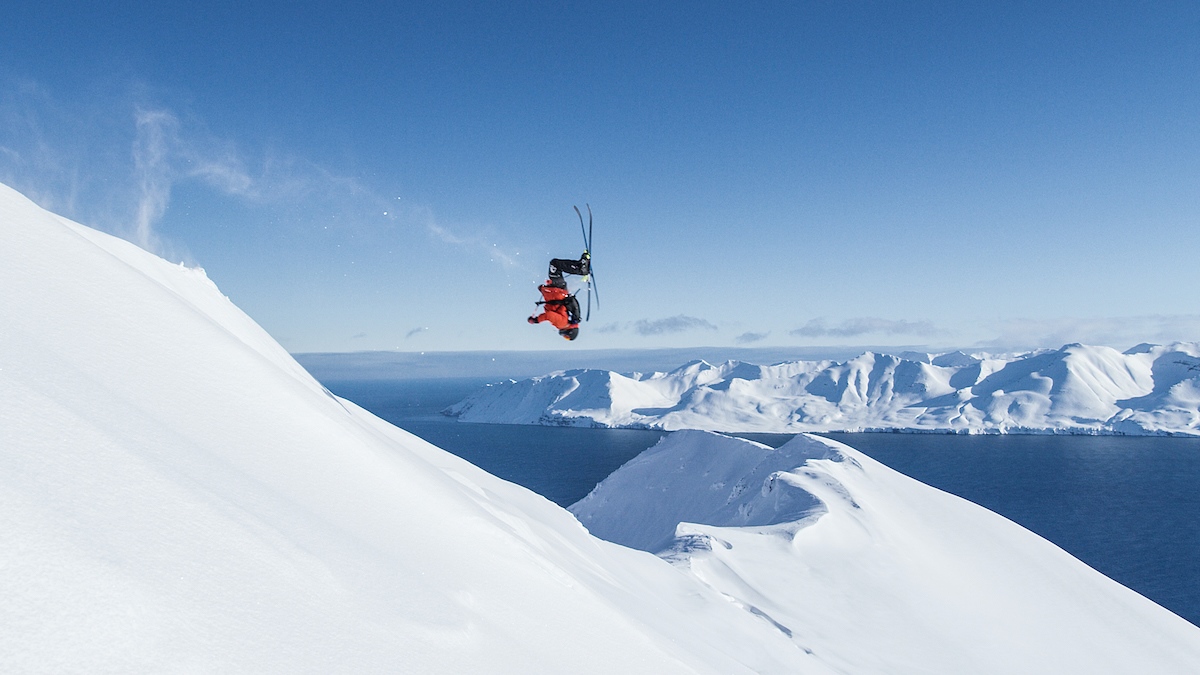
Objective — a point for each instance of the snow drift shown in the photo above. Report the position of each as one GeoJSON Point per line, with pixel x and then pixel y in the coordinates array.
{"type": "Point", "coordinates": [178, 495]}
{"type": "Point", "coordinates": [1147, 390]}
{"type": "Point", "coordinates": [872, 571]}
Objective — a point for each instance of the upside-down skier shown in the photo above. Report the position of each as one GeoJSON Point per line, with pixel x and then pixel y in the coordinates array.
{"type": "Point", "coordinates": [559, 306]}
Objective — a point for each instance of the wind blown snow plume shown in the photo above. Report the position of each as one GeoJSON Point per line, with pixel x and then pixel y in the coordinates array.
{"type": "Point", "coordinates": [150, 156]}
{"type": "Point", "coordinates": [118, 158]}
{"type": "Point", "coordinates": [1076, 389]}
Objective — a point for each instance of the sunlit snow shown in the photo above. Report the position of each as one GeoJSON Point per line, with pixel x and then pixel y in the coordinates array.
{"type": "Point", "coordinates": [178, 495]}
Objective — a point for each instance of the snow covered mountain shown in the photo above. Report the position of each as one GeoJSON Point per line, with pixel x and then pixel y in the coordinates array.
{"type": "Point", "coordinates": [1149, 389]}
{"type": "Point", "coordinates": [178, 495]}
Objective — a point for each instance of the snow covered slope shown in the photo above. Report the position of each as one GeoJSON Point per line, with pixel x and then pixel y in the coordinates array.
{"type": "Point", "coordinates": [1077, 389]}
{"type": "Point", "coordinates": [874, 572]}
{"type": "Point", "coordinates": [178, 495]}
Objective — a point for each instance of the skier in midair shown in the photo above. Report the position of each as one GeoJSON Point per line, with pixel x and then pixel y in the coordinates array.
{"type": "Point", "coordinates": [559, 307]}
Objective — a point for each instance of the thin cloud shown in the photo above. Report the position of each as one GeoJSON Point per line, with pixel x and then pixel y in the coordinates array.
{"type": "Point", "coordinates": [1022, 333]}
{"type": "Point", "coordinates": [415, 331]}
{"type": "Point", "coordinates": [675, 324]}
{"type": "Point", "coordinates": [865, 326]}
{"type": "Point", "coordinates": [748, 338]}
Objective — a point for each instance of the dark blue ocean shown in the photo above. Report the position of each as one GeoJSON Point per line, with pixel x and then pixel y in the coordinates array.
{"type": "Point", "coordinates": [1127, 506]}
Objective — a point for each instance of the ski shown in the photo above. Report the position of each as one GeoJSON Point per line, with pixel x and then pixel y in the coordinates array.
{"type": "Point", "coordinates": [592, 287]}
{"type": "Point", "coordinates": [587, 248]}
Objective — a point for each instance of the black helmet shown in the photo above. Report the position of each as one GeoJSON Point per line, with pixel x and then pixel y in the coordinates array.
{"type": "Point", "coordinates": [569, 333]}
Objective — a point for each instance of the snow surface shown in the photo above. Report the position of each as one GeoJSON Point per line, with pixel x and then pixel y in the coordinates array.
{"type": "Point", "coordinates": [1147, 390]}
{"type": "Point", "coordinates": [178, 495]}
{"type": "Point", "coordinates": [873, 571]}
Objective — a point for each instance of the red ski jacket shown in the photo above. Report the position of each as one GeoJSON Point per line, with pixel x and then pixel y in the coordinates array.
{"type": "Point", "coordinates": [556, 314]}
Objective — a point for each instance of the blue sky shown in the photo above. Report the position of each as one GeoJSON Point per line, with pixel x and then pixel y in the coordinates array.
{"type": "Point", "coordinates": [395, 175]}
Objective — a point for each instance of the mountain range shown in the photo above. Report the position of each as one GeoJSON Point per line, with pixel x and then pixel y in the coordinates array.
{"type": "Point", "coordinates": [1077, 389]}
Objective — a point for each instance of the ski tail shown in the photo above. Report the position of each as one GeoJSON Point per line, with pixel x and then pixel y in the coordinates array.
{"type": "Point", "coordinates": [590, 279]}
{"type": "Point", "coordinates": [592, 287]}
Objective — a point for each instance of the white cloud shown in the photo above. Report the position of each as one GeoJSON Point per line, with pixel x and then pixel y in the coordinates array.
{"type": "Point", "coordinates": [675, 324]}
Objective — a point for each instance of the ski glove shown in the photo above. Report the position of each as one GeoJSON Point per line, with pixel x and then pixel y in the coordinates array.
{"type": "Point", "coordinates": [532, 319]}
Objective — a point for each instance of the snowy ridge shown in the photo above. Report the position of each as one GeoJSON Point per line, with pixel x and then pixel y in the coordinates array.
{"type": "Point", "coordinates": [178, 495]}
{"type": "Point", "coordinates": [832, 549]}
{"type": "Point", "coordinates": [1147, 390]}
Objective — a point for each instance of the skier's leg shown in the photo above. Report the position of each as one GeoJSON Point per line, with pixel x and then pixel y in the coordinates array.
{"type": "Point", "coordinates": [557, 269]}
{"type": "Point", "coordinates": [579, 267]}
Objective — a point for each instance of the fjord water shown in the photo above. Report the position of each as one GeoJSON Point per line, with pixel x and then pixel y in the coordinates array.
{"type": "Point", "coordinates": [562, 464]}
{"type": "Point", "coordinates": [1127, 506]}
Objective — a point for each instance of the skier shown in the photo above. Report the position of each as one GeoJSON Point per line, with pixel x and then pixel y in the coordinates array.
{"type": "Point", "coordinates": [560, 308]}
